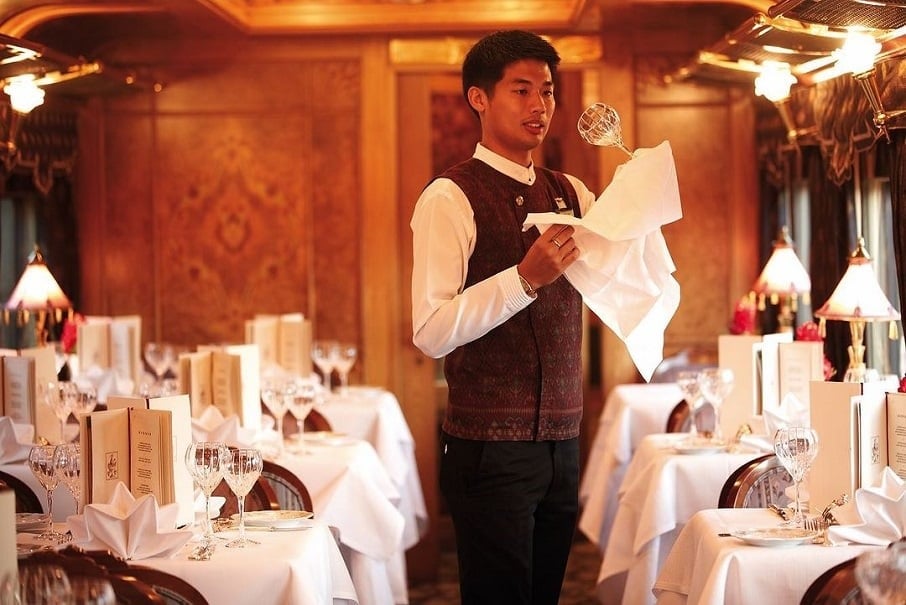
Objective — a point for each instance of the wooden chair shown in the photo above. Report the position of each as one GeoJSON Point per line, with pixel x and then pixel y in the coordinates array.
{"type": "Point", "coordinates": [756, 484]}
{"type": "Point", "coordinates": [680, 418]}
{"type": "Point", "coordinates": [836, 586]}
{"type": "Point", "coordinates": [173, 589]}
{"type": "Point", "coordinates": [315, 421]}
{"type": "Point", "coordinates": [129, 590]}
{"type": "Point", "coordinates": [27, 501]}
{"type": "Point", "coordinates": [289, 488]}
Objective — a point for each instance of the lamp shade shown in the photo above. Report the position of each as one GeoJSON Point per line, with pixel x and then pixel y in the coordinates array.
{"type": "Point", "coordinates": [37, 289]}
{"type": "Point", "coordinates": [858, 296]}
{"type": "Point", "coordinates": [784, 272]}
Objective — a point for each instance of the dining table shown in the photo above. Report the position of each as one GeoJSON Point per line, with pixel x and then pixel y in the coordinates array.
{"type": "Point", "coordinates": [302, 565]}
{"type": "Point", "coordinates": [665, 484]}
{"type": "Point", "coordinates": [352, 492]}
{"type": "Point", "coordinates": [736, 555]}
{"type": "Point", "coordinates": [630, 413]}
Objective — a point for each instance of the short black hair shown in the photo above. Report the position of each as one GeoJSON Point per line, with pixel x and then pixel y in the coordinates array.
{"type": "Point", "coordinates": [484, 63]}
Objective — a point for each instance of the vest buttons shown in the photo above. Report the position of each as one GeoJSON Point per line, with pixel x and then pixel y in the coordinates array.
{"type": "Point", "coordinates": [519, 200]}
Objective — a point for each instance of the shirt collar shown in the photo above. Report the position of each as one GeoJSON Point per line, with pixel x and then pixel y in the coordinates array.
{"type": "Point", "coordinates": [523, 174]}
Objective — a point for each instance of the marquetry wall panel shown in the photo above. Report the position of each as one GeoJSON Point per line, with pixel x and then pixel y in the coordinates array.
{"type": "Point", "coordinates": [233, 193]}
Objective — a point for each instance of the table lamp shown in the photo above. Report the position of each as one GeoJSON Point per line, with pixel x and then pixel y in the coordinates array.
{"type": "Point", "coordinates": [783, 280]}
{"type": "Point", "coordinates": [38, 293]}
{"type": "Point", "coordinates": [858, 299]}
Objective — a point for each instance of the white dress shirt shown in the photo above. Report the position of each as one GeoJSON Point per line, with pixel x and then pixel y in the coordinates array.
{"type": "Point", "coordinates": [444, 314]}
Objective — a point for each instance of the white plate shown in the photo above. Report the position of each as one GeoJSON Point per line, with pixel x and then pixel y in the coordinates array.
{"type": "Point", "coordinates": [700, 449]}
{"type": "Point", "coordinates": [30, 521]}
{"type": "Point", "coordinates": [276, 519]}
{"type": "Point", "coordinates": [776, 536]}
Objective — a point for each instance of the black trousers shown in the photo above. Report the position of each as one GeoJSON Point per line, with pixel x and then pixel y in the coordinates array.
{"type": "Point", "coordinates": [514, 506]}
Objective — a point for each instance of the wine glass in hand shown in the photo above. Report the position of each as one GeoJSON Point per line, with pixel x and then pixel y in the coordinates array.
{"type": "Point", "coordinates": [242, 469]}
{"type": "Point", "coordinates": [715, 385]}
{"type": "Point", "coordinates": [796, 448]}
{"type": "Point", "coordinates": [41, 463]}
{"type": "Point", "coordinates": [205, 461]}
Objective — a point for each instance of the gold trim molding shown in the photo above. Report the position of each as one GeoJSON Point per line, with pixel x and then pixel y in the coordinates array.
{"type": "Point", "coordinates": [450, 51]}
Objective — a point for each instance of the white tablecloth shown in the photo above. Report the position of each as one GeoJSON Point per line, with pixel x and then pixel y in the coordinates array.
{"type": "Point", "coordinates": [287, 567]}
{"type": "Point", "coordinates": [661, 491]}
{"type": "Point", "coordinates": [705, 569]}
{"type": "Point", "coordinates": [352, 491]}
{"type": "Point", "coordinates": [630, 412]}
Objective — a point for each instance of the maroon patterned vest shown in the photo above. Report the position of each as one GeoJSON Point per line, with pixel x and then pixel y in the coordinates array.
{"type": "Point", "coordinates": [521, 381]}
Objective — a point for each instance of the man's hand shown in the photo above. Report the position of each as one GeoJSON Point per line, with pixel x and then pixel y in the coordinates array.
{"type": "Point", "coordinates": [549, 256]}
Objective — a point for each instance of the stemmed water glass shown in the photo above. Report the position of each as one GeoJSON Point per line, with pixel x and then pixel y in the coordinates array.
{"type": "Point", "coordinates": [241, 471]}
{"type": "Point", "coordinates": [160, 357]}
{"type": "Point", "coordinates": [41, 463]}
{"type": "Point", "coordinates": [687, 381]}
{"type": "Point", "coordinates": [796, 448]}
{"type": "Point", "coordinates": [322, 357]}
{"type": "Point", "coordinates": [715, 385]}
{"type": "Point", "coordinates": [343, 355]}
{"type": "Point", "coordinates": [206, 461]}
{"type": "Point", "coordinates": [57, 396]}
{"type": "Point", "coordinates": [276, 396]}
{"type": "Point", "coordinates": [67, 465]}
{"type": "Point", "coordinates": [300, 405]}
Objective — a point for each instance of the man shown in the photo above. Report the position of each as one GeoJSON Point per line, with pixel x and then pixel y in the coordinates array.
{"type": "Point", "coordinates": [494, 301]}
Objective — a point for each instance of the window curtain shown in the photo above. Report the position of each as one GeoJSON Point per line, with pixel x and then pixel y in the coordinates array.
{"type": "Point", "coordinates": [829, 251]}
{"type": "Point", "coordinates": [897, 158]}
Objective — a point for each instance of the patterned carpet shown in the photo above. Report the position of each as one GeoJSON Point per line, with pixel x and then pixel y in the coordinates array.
{"type": "Point", "coordinates": [578, 587]}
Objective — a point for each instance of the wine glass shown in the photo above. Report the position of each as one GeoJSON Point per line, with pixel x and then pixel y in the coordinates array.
{"type": "Point", "coordinates": [57, 396]}
{"type": "Point", "coordinates": [160, 357]}
{"type": "Point", "coordinates": [687, 381]}
{"type": "Point", "coordinates": [206, 461]}
{"type": "Point", "coordinates": [276, 396]}
{"type": "Point", "coordinates": [796, 448]}
{"type": "Point", "coordinates": [242, 469]}
{"type": "Point", "coordinates": [41, 463]}
{"type": "Point", "coordinates": [321, 356]}
{"type": "Point", "coordinates": [300, 405]}
{"type": "Point", "coordinates": [85, 401]}
{"type": "Point", "coordinates": [715, 385]}
{"type": "Point", "coordinates": [343, 355]}
{"type": "Point", "coordinates": [881, 574]}
{"type": "Point", "coordinates": [67, 465]}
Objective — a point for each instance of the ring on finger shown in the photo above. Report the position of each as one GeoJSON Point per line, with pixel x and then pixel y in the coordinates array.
{"type": "Point", "coordinates": [556, 242]}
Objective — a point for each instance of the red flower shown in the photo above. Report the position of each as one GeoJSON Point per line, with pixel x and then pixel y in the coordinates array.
{"type": "Point", "coordinates": [744, 316]}
{"type": "Point", "coordinates": [71, 333]}
{"type": "Point", "coordinates": [902, 388]}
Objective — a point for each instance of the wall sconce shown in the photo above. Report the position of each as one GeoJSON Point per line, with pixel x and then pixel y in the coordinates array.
{"type": "Point", "coordinates": [858, 299]}
{"type": "Point", "coordinates": [783, 280]}
{"type": "Point", "coordinates": [774, 83]}
{"type": "Point", "coordinates": [39, 293]}
{"type": "Point", "coordinates": [857, 56]}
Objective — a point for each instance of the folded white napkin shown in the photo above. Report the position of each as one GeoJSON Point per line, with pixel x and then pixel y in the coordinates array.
{"type": "Point", "coordinates": [791, 412]}
{"type": "Point", "coordinates": [883, 512]}
{"type": "Point", "coordinates": [625, 271]}
{"type": "Point", "coordinates": [212, 426]}
{"type": "Point", "coordinates": [129, 528]}
{"type": "Point", "coordinates": [16, 440]}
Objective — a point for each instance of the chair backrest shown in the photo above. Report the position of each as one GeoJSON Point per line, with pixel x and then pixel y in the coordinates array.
{"type": "Point", "coordinates": [316, 421]}
{"type": "Point", "coordinates": [836, 586]}
{"type": "Point", "coordinates": [756, 484]}
{"type": "Point", "coordinates": [260, 497]}
{"type": "Point", "coordinates": [27, 501]}
{"type": "Point", "coordinates": [128, 589]}
{"type": "Point", "coordinates": [289, 488]}
{"type": "Point", "coordinates": [173, 589]}
{"type": "Point", "coordinates": [680, 418]}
